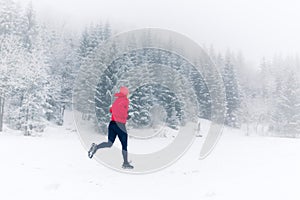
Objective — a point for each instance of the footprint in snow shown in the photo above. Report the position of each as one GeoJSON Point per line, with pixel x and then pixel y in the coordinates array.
{"type": "Point", "coordinates": [210, 194]}
{"type": "Point", "coordinates": [52, 187]}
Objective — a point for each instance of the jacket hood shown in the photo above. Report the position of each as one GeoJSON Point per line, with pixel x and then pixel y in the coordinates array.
{"type": "Point", "coordinates": [123, 92]}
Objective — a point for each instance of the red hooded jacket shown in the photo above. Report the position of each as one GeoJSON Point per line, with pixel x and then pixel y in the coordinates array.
{"type": "Point", "coordinates": [119, 108]}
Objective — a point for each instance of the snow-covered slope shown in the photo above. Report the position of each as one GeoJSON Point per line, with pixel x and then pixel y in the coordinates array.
{"type": "Point", "coordinates": [56, 166]}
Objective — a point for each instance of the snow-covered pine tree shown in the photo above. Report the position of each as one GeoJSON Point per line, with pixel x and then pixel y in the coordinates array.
{"type": "Point", "coordinates": [10, 51]}
{"type": "Point", "coordinates": [10, 19]}
{"type": "Point", "coordinates": [232, 92]}
{"type": "Point", "coordinates": [140, 106]}
{"type": "Point", "coordinates": [200, 89]}
{"type": "Point", "coordinates": [277, 114]}
{"type": "Point", "coordinates": [106, 87]}
{"type": "Point", "coordinates": [10, 47]}
{"type": "Point", "coordinates": [29, 27]}
{"type": "Point", "coordinates": [286, 119]}
{"type": "Point", "coordinates": [34, 97]}
{"type": "Point", "coordinates": [92, 57]}
{"type": "Point", "coordinates": [32, 92]}
{"type": "Point", "coordinates": [25, 64]}
{"type": "Point", "coordinates": [176, 79]}
{"type": "Point", "coordinates": [266, 80]}
{"type": "Point", "coordinates": [149, 96]}
{"type": "Point", "coordinates": [249, 104]}
{"type": "Point", "coordinates": [214, 84]}
{"type": "Point", "coordinates": [4, 75]}
{"type": "Point", "coordinates": [89, 55]}
{"type": "Point", "coordinates": [62, 69]}
{"type": "Point", "coordinates": [107, 31]}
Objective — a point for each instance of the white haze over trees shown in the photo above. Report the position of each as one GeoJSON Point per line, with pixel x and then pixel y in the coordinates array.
{"type": "Point", "coordinates": [257, 28]}
{"type": "Point", "coordinates": [39, 62]}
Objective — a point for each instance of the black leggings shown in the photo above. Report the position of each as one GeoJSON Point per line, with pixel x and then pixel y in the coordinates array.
{"type": "Point", "coordinates": [115, 129]}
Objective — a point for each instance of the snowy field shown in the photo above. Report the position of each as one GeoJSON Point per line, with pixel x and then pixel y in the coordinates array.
{"type": "Point", "coordinates": [56, 166]}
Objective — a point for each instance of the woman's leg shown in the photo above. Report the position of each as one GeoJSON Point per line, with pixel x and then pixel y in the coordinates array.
{"type": "Point", "coordinates": [112, 134]}
{"type": "Point", "coordinates": [123, 137]}
{"type": "Point", "coordinates": [95, 147]}
{"type": "Point", "coordinates": [111, 137]}
{"type": "Point", "coordinates": [107, 144]}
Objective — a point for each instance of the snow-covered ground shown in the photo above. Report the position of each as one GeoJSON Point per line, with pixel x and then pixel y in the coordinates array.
{"type": "Point", "coordinates": [56, 166]}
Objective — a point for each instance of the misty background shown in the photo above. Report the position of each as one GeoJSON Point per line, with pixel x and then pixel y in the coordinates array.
{"type": "Point", "coordinates": [257, 28]}
{"type": "Point", "coordinates": [253, 45]}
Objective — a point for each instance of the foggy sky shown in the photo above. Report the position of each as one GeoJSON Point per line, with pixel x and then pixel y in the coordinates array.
{"type": "Point", "coordinates": [256, 27]}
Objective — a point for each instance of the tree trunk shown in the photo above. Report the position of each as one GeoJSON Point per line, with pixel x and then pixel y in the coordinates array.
{"type": "Point", "coordinates": [62, 114]}
{"type": "Point", "coordinates": [60, 121]}
{"type": "Point", "coordinates": [26, 133]}
{"type": "Point", "coordinates": [1, 112]}
{"type": "Point", "coordinates": [247, 132]}
{"type": "Point", "coordinates": [257, 124]}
